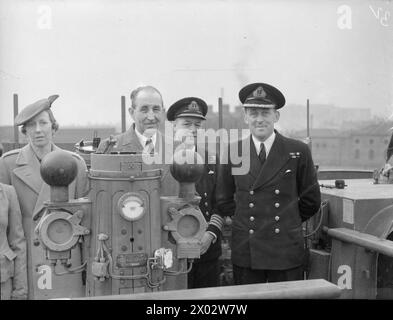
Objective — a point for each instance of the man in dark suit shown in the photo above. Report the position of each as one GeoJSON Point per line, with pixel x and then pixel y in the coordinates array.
{"type": "Point", "coordinates": [188, 115]}
{"type": "Point", "coordinates": [143, 137]}
{"type": "Point", "coordinates": [269, 203]}
{"type": "Point", "coordinates": [147, 112]}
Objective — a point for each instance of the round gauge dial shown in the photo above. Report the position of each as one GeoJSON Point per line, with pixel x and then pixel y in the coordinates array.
{"type": "Point", "coordinates": [131, 207]}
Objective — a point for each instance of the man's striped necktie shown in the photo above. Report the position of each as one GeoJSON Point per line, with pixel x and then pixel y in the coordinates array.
{"type": "Point", "coordinates": [149, 146]}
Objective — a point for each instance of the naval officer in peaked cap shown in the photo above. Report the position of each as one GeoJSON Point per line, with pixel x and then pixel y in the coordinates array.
{"type": "Point", "coordinates": [188, 115]}
{"type": "Point", "coordinates": [269, 203]}
{"type": "Point", "coordinates": [21, 168]}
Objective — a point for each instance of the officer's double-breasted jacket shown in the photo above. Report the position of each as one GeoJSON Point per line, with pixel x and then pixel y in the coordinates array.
{"type": "Point", "coordinates": [21, 169]}
{"type": "Point", "coordinates": [206, 188]}
{"type": "Point", "coordinates": [268, 203]}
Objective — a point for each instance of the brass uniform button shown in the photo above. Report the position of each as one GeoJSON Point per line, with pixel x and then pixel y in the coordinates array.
{"type": "Point", "coordinates": [206, 204]}
{"type": "Point", "coordinates": [277, 191]}
{"type": "Point", "coordinates": [252, 218]}
{"type": "Point", "coordinates": [251, 205]}
{"type": "Point", "coordinates": [277, 230]}
{"type": "Point", "coordinates": [276, 218]}
{"type": "Point", "coordinates": [251, 231]}
{"type": "Point", "coordinates": [277, 205]}
{"type": "Point", "coordinates": [205, 194]}
{"type": "Point", "coordinates": [207, 213]}
{"type": "Point", "coordinates": [251, 192]}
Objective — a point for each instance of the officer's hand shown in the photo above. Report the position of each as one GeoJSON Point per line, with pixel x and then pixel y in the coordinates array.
{"type": "Point", "coordinates": [206, 242]}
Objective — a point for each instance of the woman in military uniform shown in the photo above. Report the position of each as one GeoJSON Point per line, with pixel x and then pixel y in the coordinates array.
{"type": "Point", "coordinates": [13, 278]}
{"type": "Point", "coordinates": [21, 168]}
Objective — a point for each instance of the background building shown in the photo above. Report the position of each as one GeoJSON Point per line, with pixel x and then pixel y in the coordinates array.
{"type": "Point", "coordinates": [362, 148]}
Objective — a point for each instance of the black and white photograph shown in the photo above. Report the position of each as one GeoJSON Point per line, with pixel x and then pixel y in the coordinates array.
{"type": "Point", "coordinates": [215, 152]}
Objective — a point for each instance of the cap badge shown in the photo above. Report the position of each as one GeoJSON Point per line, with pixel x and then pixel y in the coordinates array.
{"type": "Point", "coordinates": [193, 106]}
{"type": "Point", "coordinates": [259, 93]}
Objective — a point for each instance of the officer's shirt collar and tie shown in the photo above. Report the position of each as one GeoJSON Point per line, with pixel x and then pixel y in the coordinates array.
{"type": "Point", "coordinates": [148, 144]}
{"type": "Point", "coordinates": [267, 144]}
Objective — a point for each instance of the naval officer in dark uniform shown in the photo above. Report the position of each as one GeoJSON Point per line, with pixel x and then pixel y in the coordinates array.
{"type": "Point", "coordinates": [269, 203]}
{"type": "Point", "coordinates": [188, 115]}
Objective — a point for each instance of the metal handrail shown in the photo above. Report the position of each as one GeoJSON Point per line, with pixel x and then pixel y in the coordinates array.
{"type": "Point", "coordinates": [303, 289]}
{"type": "Point", "coordinates": [361, 239]}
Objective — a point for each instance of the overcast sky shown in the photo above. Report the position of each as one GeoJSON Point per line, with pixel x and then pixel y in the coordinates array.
{"type": "Point", "coordinates": [92, 52]}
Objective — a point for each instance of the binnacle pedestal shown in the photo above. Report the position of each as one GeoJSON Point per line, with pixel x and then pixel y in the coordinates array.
{"type": "Point", "coordinates": [61, 234]}
{"type": "Point", "coordinates": [181, 215]}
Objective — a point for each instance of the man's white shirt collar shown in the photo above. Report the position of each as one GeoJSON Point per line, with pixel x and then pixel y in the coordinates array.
{"type": "Point", "coordinates": [143, 139]}
{"type": "Point", "coordinates": [268, 143]}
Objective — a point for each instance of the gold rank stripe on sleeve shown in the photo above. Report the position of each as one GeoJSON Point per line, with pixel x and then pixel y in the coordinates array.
{"type": "Point", "coordinates": [217, 221]}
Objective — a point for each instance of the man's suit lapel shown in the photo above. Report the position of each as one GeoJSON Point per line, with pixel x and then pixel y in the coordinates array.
{"type": "Point", "coordinates": [277, 158]}
{"type": "Point", "coordinates": [28, 169]}
{"type": "Point", "coordinates": [130, 141]}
